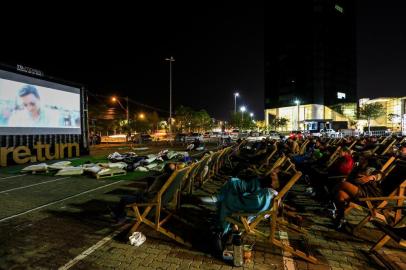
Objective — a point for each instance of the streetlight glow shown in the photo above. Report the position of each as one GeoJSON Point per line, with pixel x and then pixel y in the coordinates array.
{"type": "Point", "coordinates": [243, 108]}
{"type": "Point", "coordinates": [114, 99]}
{"type": "Point", "coordinates": [251, 114]}
{"type": "Point", "coordinates": [297, 102]}
{"type": "Point", "coordinates": [236, 94]}
{"type": "Point", "coordinates": [141, 116]}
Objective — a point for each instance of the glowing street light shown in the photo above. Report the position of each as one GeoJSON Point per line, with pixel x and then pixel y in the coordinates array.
{"type": "Point", "coordinates": [297, 102]}
{"type": "Point", "coordinates": [115, 99]}
{"type": "Point", "coordinates": [141, 116]}
{"type": "Point", "coordinates": [235, 101]}
{"type": "Point", "coordinates": [242, 109]}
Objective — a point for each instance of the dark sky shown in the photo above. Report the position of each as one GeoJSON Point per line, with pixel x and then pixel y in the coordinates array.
{"type": "Point", "coordinates": [121, 50]}
{"type": "Point", "coordinates": [381, 48]}
{"type": "Point", "coordinates": [218, 46]}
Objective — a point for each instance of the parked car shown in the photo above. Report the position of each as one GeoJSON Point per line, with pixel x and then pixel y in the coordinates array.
{"type": "Point", "coordinates": [193, 136]}
{"type": "Point", "coordinates": [180, 137]}
{"type": "Point", "coordinates": [274, 136]}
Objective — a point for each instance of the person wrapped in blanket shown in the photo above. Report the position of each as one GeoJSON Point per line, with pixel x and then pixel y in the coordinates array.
{"type": "Point", "coordinates": [363, 181]}
{"type": "Point", "coordinates": [247, 192]}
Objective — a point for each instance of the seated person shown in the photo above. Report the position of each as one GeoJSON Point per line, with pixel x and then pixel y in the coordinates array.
{"type": "Point", "coordinates": [154, 185]}
{"type": "Point", "coordinates": [402, 152]}
{"type": "Point", "coordinates": [245, 193]}
{"type": "Point", "coordinates": [362, 182]}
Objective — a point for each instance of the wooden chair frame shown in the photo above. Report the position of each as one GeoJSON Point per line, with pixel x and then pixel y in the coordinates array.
{"type": "Point", "coordinates": [241, 220]}
{"type": "Point", "coordinates": [152, 213]}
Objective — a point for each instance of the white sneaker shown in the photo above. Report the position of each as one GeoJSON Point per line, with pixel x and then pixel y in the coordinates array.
{"type": "Point", "coordinates": [137, 239]}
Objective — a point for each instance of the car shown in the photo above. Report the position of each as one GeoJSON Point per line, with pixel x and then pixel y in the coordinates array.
{"type": "Point", "coordinates": [207, 135]}
{"type": "Point", "coordinates": [180, 137]}
{"type": "Point", "coordinates": [329, 132]}
{"type": "Point", "coordinates": [274, 136]}
{"type": "Point", "coordinates": [193, 136]}
{"type": "Point", "coordinates": [215, 134]}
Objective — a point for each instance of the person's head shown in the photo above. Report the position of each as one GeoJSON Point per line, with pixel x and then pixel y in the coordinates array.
{"type": "Point", "coordinates": [402, 150]}
{"type": "Point", "coordinates": [345, 151]}
{"type": "Point", "coordinates": [30, 98]}
{"type": "Point", "coordinates": [170, 167]}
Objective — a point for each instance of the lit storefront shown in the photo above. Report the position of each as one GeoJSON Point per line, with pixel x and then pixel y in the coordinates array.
{"type": "Point", "coordinates": [314, 117]}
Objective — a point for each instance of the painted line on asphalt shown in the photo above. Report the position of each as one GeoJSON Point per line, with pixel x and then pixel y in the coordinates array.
{"type": "Point", "coordinates": [288, 262]}
{"type": "Point", "coordinates": [93, 248]}
{"type": "Point", "coordinates": [33, 185]}
{"type": "Point", "coordinates": [57, 201]}
{"type": "Point", "coordinates": [14, 176]}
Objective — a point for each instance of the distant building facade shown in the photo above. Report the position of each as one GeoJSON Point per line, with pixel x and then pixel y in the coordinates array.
{"type": "Point", "coordinates": [310, 63]}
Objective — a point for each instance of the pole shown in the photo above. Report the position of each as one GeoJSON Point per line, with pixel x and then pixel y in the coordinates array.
{"type": "Point", "coordinates": [128, 113]}
{"type": "Point", "coordinates": [171, 59]}
{"type": "Point", "coordinates": [170, 95]}
{"type": "Point", "coordinates": [235, 103]}
{"type": "Point", "coordinates": [298, 116]}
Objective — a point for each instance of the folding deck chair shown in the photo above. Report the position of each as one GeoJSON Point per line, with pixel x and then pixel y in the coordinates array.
{"type": "Point", "coordinates": [380, 211]}
{"type": "Point", "coordinates": [397, 233]}
{"type": "Point", "coordinates": [165, 202]}
{"type": "Point", "coordinates": [241, 219]}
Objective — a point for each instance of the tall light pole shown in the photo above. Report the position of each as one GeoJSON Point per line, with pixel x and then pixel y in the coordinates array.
{"type": "Point", "coordinates": [235, 101]}
{"type": "Point", "coordinates": [242, 109]}
{"type": "Point", "coordinates": [297, 103]}
{"type": "Point", "coordinates": [171, 59]}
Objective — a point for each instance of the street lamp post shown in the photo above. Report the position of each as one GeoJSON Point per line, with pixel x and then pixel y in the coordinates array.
{"type": "Point", "coordinates": [242, 109]}
{"type": "Point", "coordinates": [114, 99]}
{"type": "Point", "coordinates": [298, 116]}
{"type": "Point", "coordinates": [235, 101]}
{"type": "Point", "coordinates": [171, 59]}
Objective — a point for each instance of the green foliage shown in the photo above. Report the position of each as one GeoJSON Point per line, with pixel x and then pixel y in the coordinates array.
{"type": "Point", "coordinates": [276, 123]}
{"type": "Point", "coordinates": [242, 121]}
{"type": "Point", "coordinates": [370, 111]}
{"type": "Point", "coordinates": [188, 119]}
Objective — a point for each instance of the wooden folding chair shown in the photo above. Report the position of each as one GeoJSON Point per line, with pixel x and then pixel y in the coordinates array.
{"type": "Point", "coordinates": [165, 202]}
{"type": "Point", "coordinates": [303, 146]}
{"type": "Point", "coordinates": [378, 210]}
{"type": "Point", "coordinates": [397, 233]}
{"type": "Point", "coordinates": [275, 221]}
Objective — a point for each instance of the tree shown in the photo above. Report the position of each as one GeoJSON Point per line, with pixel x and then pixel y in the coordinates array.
{"type": "Point", "coordinates": [154, 120]}
{"type": "Point", "coordinates": [370, 111]}
{"type": "Point", "coordinates": [201, 120]}
{"type": "Point", "coordinates": [392, 117]}
{"type": "Point", "coordinates": [276, 122]}
{"type": "Point", "coordinates": [184, 116]}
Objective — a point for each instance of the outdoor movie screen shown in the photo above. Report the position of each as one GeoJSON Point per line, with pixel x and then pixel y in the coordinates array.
{"type": "Point", "coordinates": [32, 106]}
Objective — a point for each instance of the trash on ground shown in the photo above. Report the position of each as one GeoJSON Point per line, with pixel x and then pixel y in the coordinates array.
{"type": "Point", "coordinates": [137, 239]}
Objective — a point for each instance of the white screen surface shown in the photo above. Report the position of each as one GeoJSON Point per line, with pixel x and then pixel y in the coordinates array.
{"type": "Point", "coordinates": [33, 106]}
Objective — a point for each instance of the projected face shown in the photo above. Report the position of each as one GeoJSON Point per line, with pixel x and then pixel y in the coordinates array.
{"type": "Point", "coordinates": [28, 108]}
{"type": "Point", "coordinates": [32, 104]}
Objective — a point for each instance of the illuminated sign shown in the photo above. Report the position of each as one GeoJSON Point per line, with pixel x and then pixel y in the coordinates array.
{"type": "Point", "coordinates": [340, 95]}
{"type": "Point", "coordinates": [30, 70]}
{"type": "Point", "coordinates": [339, 8]}
{"type": "Point", "coordinates": [40, 152]}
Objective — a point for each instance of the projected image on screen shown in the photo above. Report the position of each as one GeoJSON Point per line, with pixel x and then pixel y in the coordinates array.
{"type": "Point", "coordinates": [32, 106]}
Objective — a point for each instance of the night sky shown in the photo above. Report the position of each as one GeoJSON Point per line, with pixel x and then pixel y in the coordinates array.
{"type": "Point", "coordinates": [218, 47]}
{"type": "Point", "coordinates": [381, 48]}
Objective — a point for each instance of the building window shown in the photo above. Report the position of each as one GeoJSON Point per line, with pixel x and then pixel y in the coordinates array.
{"type": "Point", "coordinates": [341, 95]}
